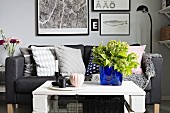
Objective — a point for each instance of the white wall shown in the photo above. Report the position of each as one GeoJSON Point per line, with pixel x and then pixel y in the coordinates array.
{"type": "Point", "coordinates": [18, 19]}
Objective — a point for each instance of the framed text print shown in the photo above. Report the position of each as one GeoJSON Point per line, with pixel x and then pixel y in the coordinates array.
{"type": "Point", "coordinates": [111, 5]}
{"type": "Point", "coordinates": [114, 24]}
{"type": "Point", "coordinates": [62, 17]}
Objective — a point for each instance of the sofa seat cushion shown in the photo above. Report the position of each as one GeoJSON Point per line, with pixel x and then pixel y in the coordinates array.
{"type": "Point", "coordinates": [29, 83]}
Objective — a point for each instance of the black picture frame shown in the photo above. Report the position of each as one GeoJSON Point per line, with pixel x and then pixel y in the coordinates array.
{"type": "Point", "coordinates": [94, 24]}
{"type": "Point", "coordinates": [54, 27]}
{"type": "Point", "coordinates": [110, 5]}
{"type": "Point", "coordinates": [112, 24]}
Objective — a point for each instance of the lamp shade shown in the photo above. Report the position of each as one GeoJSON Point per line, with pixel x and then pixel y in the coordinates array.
{"type": "Point", "coordinates": [142, 8]}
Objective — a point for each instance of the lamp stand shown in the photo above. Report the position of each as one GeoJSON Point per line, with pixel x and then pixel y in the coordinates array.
{"type": "Point", "coordinates": [150, 33]}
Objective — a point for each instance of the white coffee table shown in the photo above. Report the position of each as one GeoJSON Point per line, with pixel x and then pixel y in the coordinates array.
{"type": "Point", "coordinates": [134, 95]}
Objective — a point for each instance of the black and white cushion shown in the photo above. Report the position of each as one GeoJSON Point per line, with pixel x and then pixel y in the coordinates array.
{"type": "Point", "coordinates": [29, 65]}
{"type": "Point", "coordinates": [70, 60]}
{"type": "Point", "coordinates": [92, 68]}
{"type": "Point", "coordinates": [45, 60]}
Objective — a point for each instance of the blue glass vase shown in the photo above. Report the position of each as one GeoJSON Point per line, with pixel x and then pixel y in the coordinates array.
{"type": "Point", "coordinates": [109, 76]}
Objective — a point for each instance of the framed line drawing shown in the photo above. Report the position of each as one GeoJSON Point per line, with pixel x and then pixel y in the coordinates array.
{"type": "Point", "coordinates": [62, 17]}
{"type": "Point", "coordinates": [111, 5]}
{"type": "Point", "coordinates": [114, 24]}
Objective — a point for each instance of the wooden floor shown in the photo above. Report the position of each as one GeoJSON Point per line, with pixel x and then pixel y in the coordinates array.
{"type": "Point", "coordinates": [165, 108]}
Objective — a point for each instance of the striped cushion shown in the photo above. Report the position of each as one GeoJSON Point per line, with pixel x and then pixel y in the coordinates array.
{"type": "Point", "coordinates": [70, 60]}
{"type": "Point", "coordinates": [45, 60]}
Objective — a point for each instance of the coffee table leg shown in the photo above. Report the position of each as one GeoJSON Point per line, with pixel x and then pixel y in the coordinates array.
{"type": "Point", "coordinates": [40, 104]}
{"type": "Point", "coordinates": [137, 103]}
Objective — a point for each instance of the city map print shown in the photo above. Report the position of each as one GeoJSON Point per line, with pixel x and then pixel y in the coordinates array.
{"type": "Point", "coordinates": [62, 17]}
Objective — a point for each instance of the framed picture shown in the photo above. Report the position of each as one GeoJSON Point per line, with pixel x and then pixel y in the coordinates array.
{"type": "Point", "coordinates": [111, 5]}
{"type": "Point", "coordinates": [114, 24]}
{"type": "Point", "coordinates": [94, 24]}
{"type": "Point", "coordinates": [56, 17]}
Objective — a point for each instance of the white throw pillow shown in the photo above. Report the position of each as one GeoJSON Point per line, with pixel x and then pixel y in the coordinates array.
{"type": "Point", "coordinates": [45, 60]}
{"type": "Point", "coordinates": [70, 60]}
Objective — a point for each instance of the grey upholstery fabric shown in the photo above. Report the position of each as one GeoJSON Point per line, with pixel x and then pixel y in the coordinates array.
{"type": "Point", "coordinates": [156, 81]}
{"type": "Point", "coordinates": [28, 84]}
{"type": "Point", "coordinates": [14, 69]}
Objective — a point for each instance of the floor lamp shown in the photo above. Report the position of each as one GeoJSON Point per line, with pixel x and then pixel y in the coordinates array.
{"type": "Point", "coordinates": [144, 9]}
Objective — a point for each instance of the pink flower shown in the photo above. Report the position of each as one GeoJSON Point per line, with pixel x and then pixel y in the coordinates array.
{"type": "Point", "coordinates": [18, 41]}
{"type": "Point", "coordinates": [2, 42]}
{"type": "Point", "coordinates": [13, 41]}
{"type": "Point", "coordinates": [8, 39]}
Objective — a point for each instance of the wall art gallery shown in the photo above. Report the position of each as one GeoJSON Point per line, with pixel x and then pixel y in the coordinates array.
{"type": "Point", "coordinates": [71, 17]}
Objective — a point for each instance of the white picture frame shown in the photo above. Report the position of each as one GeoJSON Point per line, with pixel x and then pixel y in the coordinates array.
{"type": "Point", "coordinates": [111, 5]}
{"type": "Point", "coordinates": [114, 24]}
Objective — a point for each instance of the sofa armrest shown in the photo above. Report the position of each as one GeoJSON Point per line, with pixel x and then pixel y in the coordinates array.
{"type": "Point", "coordinates": [14, 68]}
{"type": "Point", "coordinates": [155, 93]}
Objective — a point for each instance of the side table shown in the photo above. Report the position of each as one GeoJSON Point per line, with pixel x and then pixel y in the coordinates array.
{"type": "Point", "coordinates": [2, 85]}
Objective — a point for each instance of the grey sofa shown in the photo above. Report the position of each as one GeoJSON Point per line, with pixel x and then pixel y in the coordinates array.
{"type": "Point", "coordinates": [19, 87]}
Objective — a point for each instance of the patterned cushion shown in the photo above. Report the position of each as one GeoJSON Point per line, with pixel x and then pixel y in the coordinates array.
{"type": "Point", "coordinates": [92, 68]}
{"type": "Point", "coordinates": [45, 60]}
{"type": "Point", "coordinates": [30, 65]}
{"type": "Point", "coordinates": [70, 60]}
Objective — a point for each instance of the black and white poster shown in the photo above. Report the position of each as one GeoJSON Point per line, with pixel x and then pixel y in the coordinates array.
{"type": "Point", "coordinates": [62, 17]}
{"type": "Point", "coordinates": [114, 24]}
{"type": "Point", "coordinates": [111, 5]}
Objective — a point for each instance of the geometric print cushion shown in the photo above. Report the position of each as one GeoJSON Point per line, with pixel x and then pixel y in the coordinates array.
{"type": "Point", "coordinates": [70, 60]}
{"type": "Point", "coordinates": [92, 68]}
{"type": "Point", "coordinates": [45, 60]}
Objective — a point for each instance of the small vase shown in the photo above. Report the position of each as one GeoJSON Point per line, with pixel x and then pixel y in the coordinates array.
{"type": "Point", "coordinates": [109, 76]}
{"type": "Point", "coordinates": [11, 53]}
{"type": "Point", "coordinates": [77, 79]}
